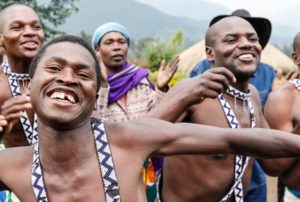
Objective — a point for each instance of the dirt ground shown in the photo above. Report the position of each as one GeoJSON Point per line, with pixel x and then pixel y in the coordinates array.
{"type": "Point", "coordinates": [272, 189]}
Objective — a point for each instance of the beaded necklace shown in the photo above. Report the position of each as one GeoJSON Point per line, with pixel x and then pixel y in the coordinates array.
{"type": "Point", "coordinates": [241, 161]}
{"type": "Point", "coordinates": [14, 80]}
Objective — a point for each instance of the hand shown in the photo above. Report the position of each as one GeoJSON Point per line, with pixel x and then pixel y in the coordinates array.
{"type": "Point", "coordinates": [166, 72]}
{"type": "Point", "coordinates": [3, 123]}
{"type": "Point", "coordinates": [12, 109]}
{"type": "Point", "coordinates": [207, 85]}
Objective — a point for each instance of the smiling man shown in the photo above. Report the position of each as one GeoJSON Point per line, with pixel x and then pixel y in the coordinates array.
{"type": "Point", "coordinates": [79, 159]}
{"type": "Point", "coordinates": [21, 35]}
{"type": "Point", "coordinates": [234, 43]}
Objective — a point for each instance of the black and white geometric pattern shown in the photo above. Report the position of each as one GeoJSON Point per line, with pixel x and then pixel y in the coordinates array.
{"type": "Point", "coordinates": [238, 94]}
{"type": "Point", "coordinates": [109, 178]}
{"type": "Point", "coordinates": [37, 180]}
{"type": "Point", "coordinates": [110, 183]}
{"type": "Point", "coordinates": [13, 80]}
{"type": "Point", "coordinates": [296, 82]}
{"type": "Point", "coordinates": [241, 161]}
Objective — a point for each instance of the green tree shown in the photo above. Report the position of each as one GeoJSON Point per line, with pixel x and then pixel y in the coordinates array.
{"type": "Point", "coordinates": [52, 14]}
{"type": "Point", "coordinates": [158, 50]}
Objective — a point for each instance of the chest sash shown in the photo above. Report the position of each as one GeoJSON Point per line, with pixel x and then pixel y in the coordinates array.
{"type": "Point", "coordinates": [241, 161]}
{"type": "Point", "coordinates": [14, 80]}
{"type": "Point", "coordinates": [107, 170]}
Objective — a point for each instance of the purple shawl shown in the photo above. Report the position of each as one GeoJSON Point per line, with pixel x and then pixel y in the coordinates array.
{"type": "Point", "coordinates": [128, 77]}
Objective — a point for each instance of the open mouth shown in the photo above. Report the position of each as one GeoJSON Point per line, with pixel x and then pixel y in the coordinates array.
{"type": "Point", "coordinates": [30, 44]}
{"type": "Point", "coordinates": [64, 97]}
{"type": "Point", "coordinates": [246, 57]}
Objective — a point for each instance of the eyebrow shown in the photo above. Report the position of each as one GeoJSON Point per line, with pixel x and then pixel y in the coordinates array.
{"type": "Point", "coordinates": [22, 22]}
{"type": "Point", "coordinates": [64, 62]}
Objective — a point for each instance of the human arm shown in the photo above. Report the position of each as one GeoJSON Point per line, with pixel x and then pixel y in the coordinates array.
{"type": "Point", "coordinates": [158, 137]}
{"type": "Point", "coordinates": [191, 91]}
{"type": "Point", "coordinates": [279, 117]}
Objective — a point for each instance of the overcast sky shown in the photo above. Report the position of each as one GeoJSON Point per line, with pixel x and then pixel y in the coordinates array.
{"type": "Point", "coordinates": [265, 8]}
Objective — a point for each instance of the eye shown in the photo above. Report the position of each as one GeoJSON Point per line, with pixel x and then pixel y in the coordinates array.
{"type": "Point", "coordinates": [16, 28]}
{"type": "Point", "coordinates": [37, 27]}
{"type": "Point", "coordinates": [84, 75]}
{"type": "Point", "coordinates": [53, 68]}
{"type": "Point", "coordinates": [230, 39]}
{"type": "Point", "coordinates": [253, 39]}
{"type": "Point", "coordinates": [122, 41]}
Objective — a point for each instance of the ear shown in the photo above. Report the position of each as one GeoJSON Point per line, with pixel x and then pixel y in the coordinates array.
{"type": "Point", "coordinates": [210, 54]}
{"type": "Point", "coordinates": [296, 58]}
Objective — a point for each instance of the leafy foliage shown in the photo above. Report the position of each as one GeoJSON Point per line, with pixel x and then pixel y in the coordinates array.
{"type": "Point", "coordinates": [52, 14]}
{"type": "Point", "coordinates": [158, 50]}
{"type": "Point", "coordinates": [177, 77]}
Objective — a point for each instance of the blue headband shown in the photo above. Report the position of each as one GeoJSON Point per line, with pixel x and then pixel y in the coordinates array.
{"type": "Point", "coordinates": [106, 28]}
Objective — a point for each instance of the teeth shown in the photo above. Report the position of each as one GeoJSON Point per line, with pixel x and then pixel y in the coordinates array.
{"type": "Point", "coordinates": [244, 56]}
{"type": "Point", "coordinates": [63, 96]}
{"type": "Point", "coordinates": [71, 98]}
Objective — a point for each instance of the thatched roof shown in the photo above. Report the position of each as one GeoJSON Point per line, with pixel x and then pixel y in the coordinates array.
{"type": "Point", "coordinates": [270, 55]}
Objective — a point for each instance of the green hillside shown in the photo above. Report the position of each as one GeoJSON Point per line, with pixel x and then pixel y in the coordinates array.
{"type": "Point", "coordinates": [140, 19]}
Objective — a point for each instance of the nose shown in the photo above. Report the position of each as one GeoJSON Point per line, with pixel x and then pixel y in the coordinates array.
{"type": "Point", "coordinates": [29, 31]}
{"type": "Point", "coordinates": [245, 43]}
{"type": "Point", "coordinates": [116, 46]}
{"type": "Point", "coordinates": [68, 77]}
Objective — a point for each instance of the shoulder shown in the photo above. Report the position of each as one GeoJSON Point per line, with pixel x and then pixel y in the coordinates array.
{"type": "Point", "coordinates": [284, 93]}
{"type": "Point", "coordinates": [254, 93]}
{"type": "Point", "coordinates": [15, 159]}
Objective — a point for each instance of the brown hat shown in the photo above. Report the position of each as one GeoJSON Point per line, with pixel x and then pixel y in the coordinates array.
{"type": "Point", "coordinates": [262, 26]}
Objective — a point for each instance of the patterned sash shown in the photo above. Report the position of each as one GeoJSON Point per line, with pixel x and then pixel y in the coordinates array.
{"type": "Point", "coordinates": [296, 82]}
{"type": "Point", "coordinates": [13, 80]}
{"type": "Point", "coordinates": [241, 161]}
{"type": "Point", "coordinates": [107, 170]}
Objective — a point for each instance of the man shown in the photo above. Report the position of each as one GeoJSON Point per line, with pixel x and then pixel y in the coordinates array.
{"type": "Point", "coordinates": [286, 117]}
{"type": "Point", "coordinates": [21, 35]}
{"type": "Point", "coordinates": [231, 42]}
{"type": "Point", "coordinates": [263, 80]}
{"type": "Point", "coordinates": [63, 95]}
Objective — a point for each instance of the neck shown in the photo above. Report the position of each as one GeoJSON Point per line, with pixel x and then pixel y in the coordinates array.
{"type": "Point", "coordinates": [64, 150]}
{"type": "Point", "coordinates": [18, 65]}
{"type": "Point", "coordinates": [241, 86]}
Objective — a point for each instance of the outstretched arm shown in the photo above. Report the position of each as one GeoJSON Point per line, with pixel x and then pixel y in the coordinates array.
{"type": "Point", "coordinates": [163, 138]}
{"type": "Point", "coordinates": [191, 91]}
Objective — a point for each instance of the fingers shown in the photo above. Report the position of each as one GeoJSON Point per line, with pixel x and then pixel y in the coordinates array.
{"type": "Point", "coordinates": [174, 63]}
{"type": "Point", "coordinates": [14, 107]}
{"type": "Point", "coordinates": [162, 64]}
{"type": "Point", "coordinates": [3, 123]}
{"type": "Point", "coordinates": [225, 72]}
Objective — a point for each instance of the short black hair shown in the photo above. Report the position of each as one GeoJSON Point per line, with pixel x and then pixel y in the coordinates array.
{"type": "Point", "coordinates": [66, 38]}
